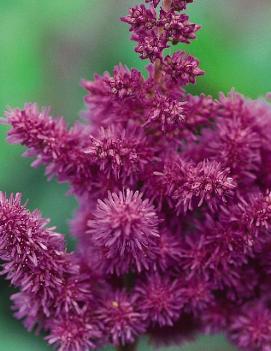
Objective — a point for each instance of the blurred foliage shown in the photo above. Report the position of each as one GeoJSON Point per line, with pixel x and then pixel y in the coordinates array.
{"type": "Point", "coordinates": [46, 47]}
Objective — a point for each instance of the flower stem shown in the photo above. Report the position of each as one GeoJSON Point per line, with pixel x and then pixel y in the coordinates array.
{"type": "Point", "coordinates": [166, 5]}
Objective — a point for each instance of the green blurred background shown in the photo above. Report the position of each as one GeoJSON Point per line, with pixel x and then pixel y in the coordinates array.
{"type": "Point", "coordinates": [46, 47]}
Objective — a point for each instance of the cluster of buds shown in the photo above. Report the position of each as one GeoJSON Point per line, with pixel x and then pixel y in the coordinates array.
{"type": "Point", "coordinates": [173, 225]}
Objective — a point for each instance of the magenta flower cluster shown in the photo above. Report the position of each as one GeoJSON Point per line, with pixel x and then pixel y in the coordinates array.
{"type": "Point", "coordinates": [174, 217]}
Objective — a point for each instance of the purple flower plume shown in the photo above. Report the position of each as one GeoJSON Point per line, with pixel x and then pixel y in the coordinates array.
{"type": "Point", "coordinates": [121, 317]}
{"type": "Point", "coordinates": [181, 68]}
{"type": "Point", "coordinates": [191, 185]}
{"type": "Point", "coordinates": [74, 333]}
{"type": "Point", "coordinates": [154, 32]}
{"type": "Point", "coordinates": [33, 255]}
{"type": "Point", "coordinates": [50, 283]}
{"type": "Point", "coordinates": [173, 224]}
{"type": "Point", "coordinates": [250, 329]}
{"type": "Point", "coordinates": [119, 152]}
{"type": "Point", "coordinates": [50, 142]}
{"type": "Point", "coordinates": [125, 229]}
{"type": "Point", "coordinates": [160, 299]}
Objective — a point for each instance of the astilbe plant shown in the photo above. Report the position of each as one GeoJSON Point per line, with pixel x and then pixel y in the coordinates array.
{"type": "Point", "coordinates": [174, 218]}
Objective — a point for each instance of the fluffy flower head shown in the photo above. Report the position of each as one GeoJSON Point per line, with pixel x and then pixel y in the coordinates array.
{"type": "Point", "coordinates": [121, 318]}
{"type": "Point", "coordinates": [125, 227]}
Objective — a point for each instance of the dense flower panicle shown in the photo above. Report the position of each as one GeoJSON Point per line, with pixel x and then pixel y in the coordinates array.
{"type": "Point", "coordinates": [181, 68]}
{"type": "Point", "coordinates": [190, 185]}
{"type": "Point", "coordinates": [123, 85]}
{"type": "Point", "coordinates": [195, 256]}
{"type": "Point", "coordinates": [169, 251]}
{"type": "Point", "coordinates": [140, 18]}
{"type": "Point", "coordinates": [160, 181]}
{"type": "Point", "coordinates": [223, 233]}
{"type": "Point", "coordinates": [127, 94]}
{"type": "Point", "coordinates": [218, 251]}
{"type": "Point", "coordinates": [174, 207]}
{"type": "Point", "coordinates": [233, 105]}
{"type": "Point", "coordinates": [84, 213]}
{"type": "Point", "coordinates": [250, 329]}
{"type": "Point", "coordinates": [236, 146]}
{"type": "Point", "coordinates": [28, 308]}
{"type": "Point", "coordinates": [154, 181]}
{"type": "Point", "coordinates": [159, 82]}
{"type": "Point", "coordinates": [119, 152]}
{"type": "Point", "coordinates": [33, 255]}
{"type": "Point", "coordinates": [125, 228]}
{"type": "Point", "coordinates": [166, 113]}
{"type": "Point", "coordinates": [36, 129]}
{"type": "Point", "coordinates": [197, 294]}
{"type": "Point", "coordinates": [153, 32]}
{"type": "Point", "coordinates": [247, 283]}
{"type": "Point", "coordinates": [114, 97]}
{"type": "Point", "coordinates": [228, 247]}
{"type": "Point", "coordinates": [252, 215]}
{"type": "Point", "coordinates": [75, 332]}
{"type": "Point", "coordinates": [205, 182]}
{"type": "Point", "coordinates": [121, 318]}
{"type": "Point", "coordinates": [150, 46]}
{"type": "Point", "coordinates": [177, 27]}
{"type": "Point", "coordinates": [75, 292]}
{"type": "Point", "coordinates": [243, 132]}
{"type": "Point", "coordinates": [51, 143]}
{"type": "Point", "coordinates": [36, 262]}
{"type": "Point", "coordinates": [200, 111]}
{"type": "Point", "coordinates": [160, 300]}
{"type": "Point", "coordinates": [259, 208]}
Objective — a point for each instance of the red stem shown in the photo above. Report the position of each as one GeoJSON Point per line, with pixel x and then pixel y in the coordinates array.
{"type": "Point", "coordinates": [166, 5]}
